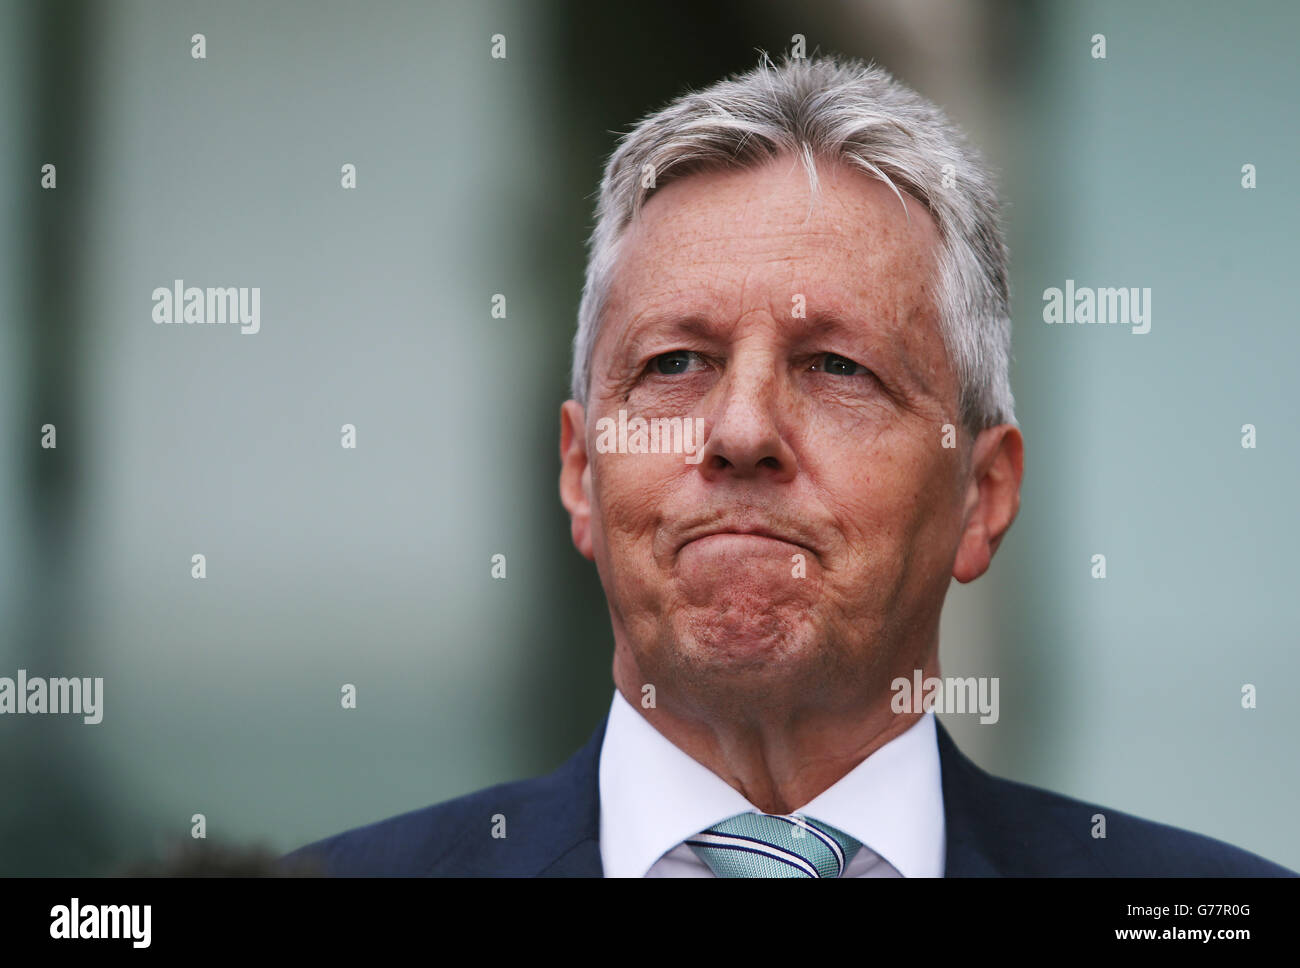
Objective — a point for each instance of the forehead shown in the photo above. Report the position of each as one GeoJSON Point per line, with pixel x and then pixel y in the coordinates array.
{"type": "Point", "coordinates": [722, 245]}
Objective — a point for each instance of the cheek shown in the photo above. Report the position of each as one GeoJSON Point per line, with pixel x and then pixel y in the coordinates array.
{"type": "Point", "coordinates": [894, 511]}
{"type": "Point", "coordinates": [627, 490]}
{"type": "Point", "coordinates": [627, 494]}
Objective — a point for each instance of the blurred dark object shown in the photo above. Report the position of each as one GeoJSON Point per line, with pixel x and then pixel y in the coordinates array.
{"type": "Point", "coordinates": [198, 858]}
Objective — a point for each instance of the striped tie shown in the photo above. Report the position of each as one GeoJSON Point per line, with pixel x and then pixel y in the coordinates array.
{"type": "Point", "coordinates": [774, 845]}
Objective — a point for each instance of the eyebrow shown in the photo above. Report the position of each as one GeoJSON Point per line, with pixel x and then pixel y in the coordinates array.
{"type": "Point", "coordinates": [701, 327]}
{"type": "Point", "coordinates": [692, 324]}
{"type": "Point", "coordinates": [826, 320]}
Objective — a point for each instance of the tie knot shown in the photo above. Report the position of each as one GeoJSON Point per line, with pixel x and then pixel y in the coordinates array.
{"type": "Point", "coordinates": [774, 845]}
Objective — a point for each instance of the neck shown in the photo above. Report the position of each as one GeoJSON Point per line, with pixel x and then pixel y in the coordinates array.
{"type": "Point", "coordinates": [778, 756]}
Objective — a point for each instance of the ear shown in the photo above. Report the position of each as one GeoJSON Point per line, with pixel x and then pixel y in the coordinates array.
{"type": "Point", "coordinates": [992, 498]}
{"type": "Point", "coordinates": [575, 475]}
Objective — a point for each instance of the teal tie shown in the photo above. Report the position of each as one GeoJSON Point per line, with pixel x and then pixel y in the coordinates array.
{"type": "Point", "coordinates": [774, 845]}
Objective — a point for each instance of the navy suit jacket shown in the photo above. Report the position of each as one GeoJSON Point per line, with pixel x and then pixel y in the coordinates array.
{"type": "Point", "coordinates": [994, 827]}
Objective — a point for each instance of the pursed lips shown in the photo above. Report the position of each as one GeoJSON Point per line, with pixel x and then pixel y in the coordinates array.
{"type": "Point", "coordinates": [756, 531]}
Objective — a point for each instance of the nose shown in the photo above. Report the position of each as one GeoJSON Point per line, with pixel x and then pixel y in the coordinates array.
{"type": "Point", "coordinates": [746, 439]}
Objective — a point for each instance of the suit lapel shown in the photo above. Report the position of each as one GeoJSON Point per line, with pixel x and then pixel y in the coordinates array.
{"type": "Point", "coordinates": [970, 812]}
{"type": "Point", "coordinates": [572, 846]}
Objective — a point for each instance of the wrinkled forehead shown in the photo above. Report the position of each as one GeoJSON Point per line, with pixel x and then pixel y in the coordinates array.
{"type": "Point", "coordinates": [722, 247]}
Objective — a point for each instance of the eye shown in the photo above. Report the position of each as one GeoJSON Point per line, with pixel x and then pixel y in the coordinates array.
{"type": "Point", "coordinates": [840, 365]}
{"type": "Point", "coordinates": [671, 364]}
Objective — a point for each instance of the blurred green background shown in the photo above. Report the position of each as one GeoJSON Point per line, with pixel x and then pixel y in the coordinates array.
{"type": "Point", "coordinates": [476, 176]}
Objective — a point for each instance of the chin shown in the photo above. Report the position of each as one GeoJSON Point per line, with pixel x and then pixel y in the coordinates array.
{"type": "Point", "coordinates": [744, 641]}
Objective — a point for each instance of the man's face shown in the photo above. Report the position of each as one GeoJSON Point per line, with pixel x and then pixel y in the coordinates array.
{"type": "Point", "coordinates": [805, 333]}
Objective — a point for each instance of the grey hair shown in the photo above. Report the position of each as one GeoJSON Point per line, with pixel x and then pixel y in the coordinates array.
{"type": "Point", "coordinates": [842, 109]}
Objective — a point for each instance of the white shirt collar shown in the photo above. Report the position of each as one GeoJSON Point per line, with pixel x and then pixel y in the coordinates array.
{"type": "Point", "coordinates": [653, 796]}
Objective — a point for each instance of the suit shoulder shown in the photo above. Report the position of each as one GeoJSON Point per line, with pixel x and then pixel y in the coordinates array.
{"type": "Point", "coordinates": [416, 842]}
{"type": "Point", "coordinates": [1084, 838]}
{"type": "Point", "coordinates": [520, 827]}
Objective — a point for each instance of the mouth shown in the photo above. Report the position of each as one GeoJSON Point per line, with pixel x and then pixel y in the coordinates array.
{"type": "Point", "coordinates": [741, 535]}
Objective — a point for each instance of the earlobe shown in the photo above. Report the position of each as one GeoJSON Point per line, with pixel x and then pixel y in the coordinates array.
{"type": "Point", "coordinates": [974, 554]}
{"type": "Point", "coordinates": [573, 475]}
{"type": "Point", "coordinates": [997, 468]}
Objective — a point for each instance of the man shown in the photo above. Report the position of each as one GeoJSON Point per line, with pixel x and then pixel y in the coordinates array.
{"type": "Point", "coordinates": [806, 264]}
